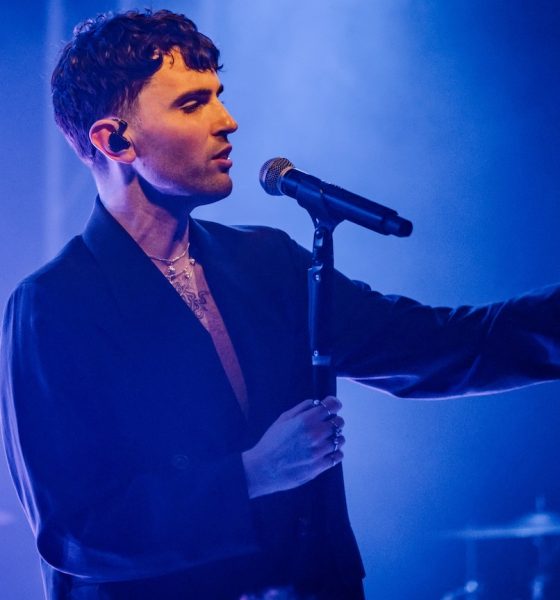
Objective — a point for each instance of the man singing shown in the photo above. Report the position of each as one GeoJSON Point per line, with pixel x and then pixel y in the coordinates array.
{"type": "Point", "coordinates": [156, 387]}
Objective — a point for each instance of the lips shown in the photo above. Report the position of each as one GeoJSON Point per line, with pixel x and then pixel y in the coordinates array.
{"type": "Point", "coordinates": [222, 159]}
{"type": "Point", "coordinates": [224, 153]}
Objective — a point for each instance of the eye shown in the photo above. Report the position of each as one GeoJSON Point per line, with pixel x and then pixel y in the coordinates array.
{"type": "Point", "coordinates": [191, 106]}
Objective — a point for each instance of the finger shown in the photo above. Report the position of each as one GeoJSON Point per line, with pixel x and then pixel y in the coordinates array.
{"type": "Point", "coordinates": [332, 403]}
{"type": "Point", "coordinates": [327, 446]}
{"type": "Point", "coordinates": [297, 409]}
{"type": "Point", "coordinates": [332, 459]}
{"type": "Point", "coordinates": [319, 429]}
{"type": "Point", "coordinates": [337, 422]}
{"type": "Point", "coordinates": [335, 441]}
{"type": "Point", "coordinates": [330, 406]}
{"type": "Point", "coordinates": [332, 428]}
{"type": "Point", "coordinates": [338, 442]}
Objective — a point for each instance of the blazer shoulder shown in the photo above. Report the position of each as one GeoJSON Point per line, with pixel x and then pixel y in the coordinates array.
{"type": "Point", "coordinates": [66, 265]}
{"type": "Point", "coordinates": [61, 282]}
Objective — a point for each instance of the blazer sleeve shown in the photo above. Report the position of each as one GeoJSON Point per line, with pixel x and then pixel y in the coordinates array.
{"type": "Point", "coordinates": [100, 508]}
{"type": "Point", "coordinates": [409, 349]}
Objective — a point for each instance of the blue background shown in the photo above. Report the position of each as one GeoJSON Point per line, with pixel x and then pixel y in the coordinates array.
{"type": "Point", "coordinates": [446, 111]}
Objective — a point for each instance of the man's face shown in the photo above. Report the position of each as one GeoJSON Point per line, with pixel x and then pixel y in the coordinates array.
{"type": "Point", "coordinates": [179, 130]}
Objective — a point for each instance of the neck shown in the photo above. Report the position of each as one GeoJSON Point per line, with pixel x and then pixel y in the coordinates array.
{"type": "Point", "coordinates": [157, 222]}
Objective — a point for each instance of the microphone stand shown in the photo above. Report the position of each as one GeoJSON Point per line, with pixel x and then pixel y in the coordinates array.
{"type": "Point", "coordinates": [320, 285]}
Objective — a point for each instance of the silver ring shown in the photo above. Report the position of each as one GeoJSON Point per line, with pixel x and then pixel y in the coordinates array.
{"type": "Point", "coordinates": [317, 402]}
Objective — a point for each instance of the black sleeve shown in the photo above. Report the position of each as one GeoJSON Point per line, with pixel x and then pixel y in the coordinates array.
{"type": "Point", "coordinates": [409, 349]}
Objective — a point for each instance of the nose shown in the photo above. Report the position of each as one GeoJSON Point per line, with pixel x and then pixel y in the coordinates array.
{"type": "Point", "coordinates": [226, 123]}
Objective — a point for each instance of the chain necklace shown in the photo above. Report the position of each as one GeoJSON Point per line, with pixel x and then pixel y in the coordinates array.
{"type": "Point", "coordinates": [186, 273]}
{"type": "Point", "coordinates": [170, 263]}
{"type": "Point", "coordinates": [182, 281]}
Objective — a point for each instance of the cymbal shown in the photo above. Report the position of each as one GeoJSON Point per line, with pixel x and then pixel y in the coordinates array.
{"type": "Point", "coordinates": [535, 524]}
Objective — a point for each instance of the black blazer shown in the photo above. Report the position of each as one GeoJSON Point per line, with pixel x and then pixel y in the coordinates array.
{"type": "Point", "coordinates": [124, 436]}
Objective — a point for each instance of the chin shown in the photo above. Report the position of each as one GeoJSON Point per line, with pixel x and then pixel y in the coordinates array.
{"type": "Point", "coordinates": [211, 196]}
{"type": "Point", "coordinates": [221, 190]}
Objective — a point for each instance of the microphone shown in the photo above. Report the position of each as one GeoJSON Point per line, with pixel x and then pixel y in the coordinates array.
{"type": "Point", "coordinates": [278, 176]}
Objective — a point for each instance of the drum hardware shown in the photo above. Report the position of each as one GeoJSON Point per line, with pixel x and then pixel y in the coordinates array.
{"type": "Point", "coordinates": [535, 526]}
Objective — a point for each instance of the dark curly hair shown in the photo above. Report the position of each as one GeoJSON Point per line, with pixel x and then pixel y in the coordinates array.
{"type": "Point", "coordinates": [110, 58]}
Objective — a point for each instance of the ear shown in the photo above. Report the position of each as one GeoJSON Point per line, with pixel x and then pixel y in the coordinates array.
{"type": "Point", "coordinates": [100, 134]}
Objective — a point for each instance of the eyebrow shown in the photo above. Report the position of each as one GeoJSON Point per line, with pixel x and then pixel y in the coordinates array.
{"type": "Point", "coordinates": [201, 93]}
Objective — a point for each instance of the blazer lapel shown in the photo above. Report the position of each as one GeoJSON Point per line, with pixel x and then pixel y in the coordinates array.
{"type": "Point", "coordinates": [156, 320]}
{"type": "Point", "coordinates": [241, 277]}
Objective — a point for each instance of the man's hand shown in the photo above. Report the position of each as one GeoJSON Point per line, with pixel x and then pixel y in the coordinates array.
{"type": "Point", "coordinates": [302, 443]}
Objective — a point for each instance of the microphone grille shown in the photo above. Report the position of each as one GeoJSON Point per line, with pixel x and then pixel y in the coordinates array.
{"type": "Point", "coordinates": [271, 173]}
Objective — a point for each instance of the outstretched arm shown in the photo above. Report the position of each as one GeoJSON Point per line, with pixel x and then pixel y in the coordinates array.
{"type": "Point", "coordinates": [413, 350]}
